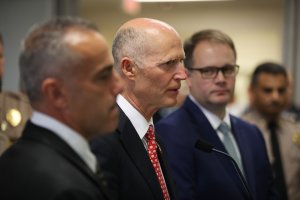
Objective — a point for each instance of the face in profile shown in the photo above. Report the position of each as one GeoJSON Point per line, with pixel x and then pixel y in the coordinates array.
{"type": "Point", "coordinates": [94, 86]}
{"type": "Point", "coordinates": [269, 95]}
{"type": "Point", "coordinates": [161, 70]}
{"type": "Point", "coordinates": [216, 91]}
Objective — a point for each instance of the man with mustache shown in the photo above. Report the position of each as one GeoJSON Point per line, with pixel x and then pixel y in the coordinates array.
{"type": "Point", "coordinates": [211, 64]}
{"type": "Point", "coordinates": [268, 98]}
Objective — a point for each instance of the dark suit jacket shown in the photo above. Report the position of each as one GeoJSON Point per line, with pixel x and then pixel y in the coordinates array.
{"type": "Point", "coordinates": [41, 166]}
{"type": "Point", "coordinates": [200, 175]}
{"type": "Point", "coordinates": [127, 166]}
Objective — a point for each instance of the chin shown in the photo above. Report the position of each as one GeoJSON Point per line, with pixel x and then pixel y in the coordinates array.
{"type": "Point", "coordinates": [109, 128]}
{"type": "Point", "coordinates": [170, 103]}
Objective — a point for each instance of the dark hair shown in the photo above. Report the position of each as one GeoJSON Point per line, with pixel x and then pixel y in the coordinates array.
{"type": "Point", "coordinates": [268, 68]}
{"type": "Point", "coordinates": [205, 35]}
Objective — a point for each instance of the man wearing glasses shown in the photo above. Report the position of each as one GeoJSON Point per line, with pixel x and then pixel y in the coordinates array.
{"type": "Point", "coordinates": [212, 69]}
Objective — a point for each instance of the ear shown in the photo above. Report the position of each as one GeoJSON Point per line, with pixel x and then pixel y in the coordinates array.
{"type": "Point", "coordinates": [54, 92]}
{"type": "Point", "coordinates": [128, 67]}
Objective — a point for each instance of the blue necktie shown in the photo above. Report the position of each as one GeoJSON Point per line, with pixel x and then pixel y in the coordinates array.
{"type": "Point", "coordinates": [229, 144]}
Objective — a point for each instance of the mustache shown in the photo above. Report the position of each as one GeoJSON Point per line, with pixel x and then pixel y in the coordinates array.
{"type": "Point", "coordinates": [275, 103]}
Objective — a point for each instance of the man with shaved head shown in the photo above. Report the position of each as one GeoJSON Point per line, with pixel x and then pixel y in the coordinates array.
{"type": "Point", "coordinates": [149, 57]}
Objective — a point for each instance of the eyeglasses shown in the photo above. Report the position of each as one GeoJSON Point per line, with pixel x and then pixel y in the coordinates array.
{"type": "Point", "coordinates": [212, 72]}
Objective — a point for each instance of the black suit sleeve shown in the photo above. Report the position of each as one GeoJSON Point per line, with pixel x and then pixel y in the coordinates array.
{"type": "Point", "coordinates": [105, 149]}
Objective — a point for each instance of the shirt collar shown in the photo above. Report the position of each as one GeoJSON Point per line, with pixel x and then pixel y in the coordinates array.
{"type": "Point", "coordinates": [214, 120]}
{"type": "Point", "coordinates": [138, 121]}
{"type": "Point", "coordinates": [78, 143]}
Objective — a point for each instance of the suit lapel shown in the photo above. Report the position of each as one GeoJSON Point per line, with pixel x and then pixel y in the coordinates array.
{"type": "Point", "coordinates": [201, 123]}
{"type": "Point", "coordinates": [207, 133]}
{"type": "Point", "coordinates": [165, 168]}
{"type": "Point", "coordinates": [138, 154]}
{"type": "Point", "coordinates": [242, 143]}
{"type": "Point", "coordinates": [50, 139]}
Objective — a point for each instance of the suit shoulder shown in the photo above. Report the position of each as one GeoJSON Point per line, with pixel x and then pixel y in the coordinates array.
{"type": "Point", "coordinates": [245, 124]}
{"type": "Point", "coordinates": [240, 121]}
{"type": "Point", "coordinates": [174, 118]}
{"type": "Point", "coordinates": [108, 140]}
{"type": "Point", "coordinates": [15, 95]}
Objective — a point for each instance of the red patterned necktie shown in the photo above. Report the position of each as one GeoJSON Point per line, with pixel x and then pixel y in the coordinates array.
{"type": "Point", "coordinates": [152, 151]}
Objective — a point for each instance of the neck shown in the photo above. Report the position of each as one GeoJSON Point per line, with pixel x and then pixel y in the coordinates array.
{"type": "Point", "coordinates": [218, 110]}
{"type": "Point", "coordinates": [145, 110]}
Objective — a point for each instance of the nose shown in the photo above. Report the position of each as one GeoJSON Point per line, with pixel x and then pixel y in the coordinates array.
{"type": "Point", "coordinates": [118, 84]}
{"type": "Point", "coordinates": [275, 95]}
{"type": "Point", "coordinates": [220, 76]}
{"type": "Point", "coordinates": [181, 73]}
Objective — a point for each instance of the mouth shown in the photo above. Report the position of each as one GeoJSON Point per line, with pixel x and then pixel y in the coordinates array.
{"type": "Point", "coordinates": [221, 91]}
{"type": "Point", "coordinates": [174, 90]}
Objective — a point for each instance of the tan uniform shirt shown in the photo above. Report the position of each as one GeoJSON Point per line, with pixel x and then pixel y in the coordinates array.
{"type": "Point", "coordinates": [289, 141]}
{"type": "Point", "coordinates": [15, 110]}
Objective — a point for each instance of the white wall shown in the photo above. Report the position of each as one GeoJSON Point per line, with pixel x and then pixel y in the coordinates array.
{"type": "Point", "coordinates": [256, 26]}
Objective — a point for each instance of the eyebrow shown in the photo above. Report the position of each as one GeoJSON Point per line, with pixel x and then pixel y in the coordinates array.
{"type": "Point", "coordinates": [107, 68]}
{"type": "Point", "coordinates": [161, 62]}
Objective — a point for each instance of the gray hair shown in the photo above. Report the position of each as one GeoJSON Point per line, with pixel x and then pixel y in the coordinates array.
{"type": "Point", "coordinates": [205, 35]}
{"type": "Point", "coordinates": [128, 42]}
{"type": "Point", "coordinates": [45, 53]}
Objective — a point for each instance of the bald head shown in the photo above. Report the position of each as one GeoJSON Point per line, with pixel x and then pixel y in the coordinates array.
{"type": "Point", "coordinates": [147, 24]}
{"type": "Point", "coordinates": [136, 38]}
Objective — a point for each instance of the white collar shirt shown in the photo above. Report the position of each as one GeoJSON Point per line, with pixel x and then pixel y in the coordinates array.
{"type": "Point", "coordinates": [78, 143]}
{"type": "Point", "coordinates": [138, 121]}
{"type": "Point", "coordinates": [215, 122]}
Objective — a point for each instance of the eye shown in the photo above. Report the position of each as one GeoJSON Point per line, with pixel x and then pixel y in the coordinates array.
{"type": "Point", "coordinates": [267, 90]}
{"type": "Point", "coordinates": [171, 62]}
{"type": "Point", "coordinates": [281, 90]}
{"type": "Point", "coordinates": [104, 74]}
{"type": "Point", "coordinates": [208, 70]}
{"type": "Point", "coordinates": [228, 69]}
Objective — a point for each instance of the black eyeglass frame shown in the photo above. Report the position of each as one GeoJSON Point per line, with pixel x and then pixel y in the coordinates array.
{"type": "Point", "coordinates": [223, 69]}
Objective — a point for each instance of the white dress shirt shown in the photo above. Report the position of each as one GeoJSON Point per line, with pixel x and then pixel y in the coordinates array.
{"type": "Point", "coordinates": [138, 121]}
{"type": "Point", "coordinates": [215, 122]}
{"type": "Point", "coordinates": [78, 143]}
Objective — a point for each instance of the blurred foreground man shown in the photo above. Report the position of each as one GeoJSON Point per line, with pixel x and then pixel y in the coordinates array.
{"type": "Point", "coordinates": [268, 98]}
{"type": "Point", "coordinates": [71, 84]}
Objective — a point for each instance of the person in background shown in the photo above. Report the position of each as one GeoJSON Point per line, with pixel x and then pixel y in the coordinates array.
{"type": "Point", "coordinates": [15, 110]}
{"type": "Point", "coordinates": [292, 109]}
{"type": "Point", "coordinates": [268, 95]}
{"type": "Point", "coordinates": [212, 69]}
{"type": "Point", "coordinates": [149, 55]}
{"type": "Point", "coordinates": [68, 74]}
